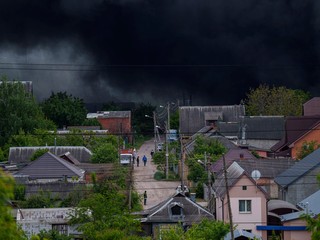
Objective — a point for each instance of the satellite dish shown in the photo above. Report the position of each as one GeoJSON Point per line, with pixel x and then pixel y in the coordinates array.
{"type": "Point", "coordinates": [256, 175]}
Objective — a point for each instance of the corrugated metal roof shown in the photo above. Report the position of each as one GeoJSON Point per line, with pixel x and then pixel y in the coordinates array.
{"type": "Point", "coordinates": [311, 204]}
{"type": "Point", "coordinates": [299, 169]}
{"type": "Point", "coordinates": [49, 166]}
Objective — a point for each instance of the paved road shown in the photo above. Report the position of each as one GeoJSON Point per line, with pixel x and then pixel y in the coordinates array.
{"type": "Point", "coordinates": [157, 191]}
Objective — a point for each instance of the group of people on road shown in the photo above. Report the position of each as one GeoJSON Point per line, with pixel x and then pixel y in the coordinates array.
{"type": "Point", "coordinates": [144, 159]}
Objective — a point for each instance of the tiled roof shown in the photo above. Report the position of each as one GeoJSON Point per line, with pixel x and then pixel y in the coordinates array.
{"type": "Point", "coordinates": [299, 169]}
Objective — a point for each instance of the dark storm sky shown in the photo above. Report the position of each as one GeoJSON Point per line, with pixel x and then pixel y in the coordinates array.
{"type": "Point", "coordinates": [160, 50]}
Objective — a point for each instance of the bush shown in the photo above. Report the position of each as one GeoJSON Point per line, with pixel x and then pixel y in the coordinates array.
{"type": "Point", "coordinates": [159, 176]}
{"type": "Point", "coordinates": [199, 190]}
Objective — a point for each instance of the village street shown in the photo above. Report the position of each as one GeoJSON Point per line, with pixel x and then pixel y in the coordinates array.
{"type": "Point", "coordinates": [157, 191]}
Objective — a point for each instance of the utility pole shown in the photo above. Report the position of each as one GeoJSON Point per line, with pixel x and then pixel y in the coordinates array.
{"type": "Point", "coordinates": [167, 142]}
{"type": "Point", "coordinates": [209, 182]}
{"type": "Point", "coordinates": [182, 164]}
{"type": "Point", "coordinates": [155, 130]}
{"type": "Point", "coordinates": [228, 197]}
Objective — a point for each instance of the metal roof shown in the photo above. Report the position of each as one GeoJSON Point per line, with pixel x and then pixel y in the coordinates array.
{"type": "Point", "coordinates": [242, 233]}
{"type": "Point", "coordinates": [299, 169]}
{"type": "Point", "coordinates": [49, 166]}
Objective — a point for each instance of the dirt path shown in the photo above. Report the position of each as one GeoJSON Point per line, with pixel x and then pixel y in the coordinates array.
{"type": "Point", "coordinates": [157, 191]}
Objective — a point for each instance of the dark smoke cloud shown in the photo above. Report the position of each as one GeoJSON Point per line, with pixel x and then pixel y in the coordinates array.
{"type": "Point", "coordinates": [151, 50]}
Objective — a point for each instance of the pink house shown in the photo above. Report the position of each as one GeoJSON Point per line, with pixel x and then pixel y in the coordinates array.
{"type": "Point", "coordinates": [248, 201]}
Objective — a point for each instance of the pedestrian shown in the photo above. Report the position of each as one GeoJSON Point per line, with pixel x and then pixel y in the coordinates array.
{"type": "Point", "coordinates": [144, 159]}
{"type": "Point", "coordinates": [152, 152]}
{"type": "Point", "coordinates": [145, 198]}
{"type": "Point", "coordinates": [138, 161]}
{"type": "Point", "coordinates": [134, 155]}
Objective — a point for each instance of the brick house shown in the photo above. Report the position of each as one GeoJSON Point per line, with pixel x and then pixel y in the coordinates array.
{"type": "Point", "coordinates": [116, 122]}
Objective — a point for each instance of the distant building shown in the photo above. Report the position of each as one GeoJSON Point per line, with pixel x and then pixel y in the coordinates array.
{"type": "Point", "coordinates": [32, 221]}
{"type": "Point", "coordinates": [116, 122]}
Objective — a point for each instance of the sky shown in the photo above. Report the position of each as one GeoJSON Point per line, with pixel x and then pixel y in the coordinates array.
{"type": "Point", "coordinates": [200, 52]}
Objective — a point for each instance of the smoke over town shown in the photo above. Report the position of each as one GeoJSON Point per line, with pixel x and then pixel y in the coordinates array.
{"type": "Point", "coordinates": [212, 52]}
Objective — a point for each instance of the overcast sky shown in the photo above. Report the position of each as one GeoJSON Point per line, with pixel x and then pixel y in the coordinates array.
{"type": "Point", "coordinates": [212, 51]}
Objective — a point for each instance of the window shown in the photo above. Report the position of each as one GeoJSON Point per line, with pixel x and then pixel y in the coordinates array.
{"type": "Point", "coordinates": [244, 187]}
{"type": "Point", "coordinates": [245, 206]}
{"type": "Point", "coordinates": [176, 210]}
{"type": "Point", "coordinates": [61, 228]}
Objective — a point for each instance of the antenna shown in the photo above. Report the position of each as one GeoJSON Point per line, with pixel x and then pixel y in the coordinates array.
{"type": "Point", "coordinates": [255, 174]}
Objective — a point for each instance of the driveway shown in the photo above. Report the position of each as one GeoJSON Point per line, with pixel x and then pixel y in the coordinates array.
{"type": "Point", "coordinates": [157, 191]}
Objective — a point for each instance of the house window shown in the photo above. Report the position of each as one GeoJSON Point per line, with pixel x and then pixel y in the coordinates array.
{"type": "Point", "coordinates": [248, 230]}
{"type": "Point", "coordinates": [244, 187]}
{"type": "Point", "coordinates": [60, 228]}
{"type": "Point", "coordinates": [245, 206]}
{"type": "Point", "coordinates": [176, 210]}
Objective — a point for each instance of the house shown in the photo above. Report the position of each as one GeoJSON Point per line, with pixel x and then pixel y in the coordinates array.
{"type": "Point", "coordinates": [248, 201]}
{"type": "Point", "coordinates": [300, 181]}
{"type": "Point", "coordinates": [22, 155]}
{"type": "Point", "coordinates": [312, 107]}
{"type": "Point", "coordinates": [50, 173]}
{"type": "Point", "coordinates": [194, 118]}
{"type": "Point", "coordinates": [176, 210]}
{"type": "Point", "coordinates": [257, 133]}
{"type": "Point", "coordinates": [298, 130]}
{"type": "Point", "coordinates": [265, 170]}
{"type": "Point", "coordinates": [32, 221]}
{"type": "Point", "coordinates": [229, 157]}
{"type": "Point", "coordinates": [295, 225]}
{"type": "Point", "coordinates": [116, 122]}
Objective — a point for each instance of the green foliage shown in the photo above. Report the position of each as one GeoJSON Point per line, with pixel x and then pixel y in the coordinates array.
{"type": "Point", "coordinates": [51, 235]}
{"type": "Point", "coordinates": [266, 100]}
{"type": "Point", "coordinates": [19, 192]}
{"type": "Point", "coordinates": [199, 190]}
{"type": "Point", "coordinates": [197, 172]}
{"type": "Point", "coordinates": [174, 120]}
{"type": "Point", "coordinates": [19, 111]}
{"type": "Point", "coordinates": [208, 230]}
{"type": "Point", "coordinates": [140, 123]}
{"type": "Point", "coordinates": [64, 109]}
{"type": "Point", "coordinates": [159, 176]}
{"type": "Point", "coordinates": [8, 227]}
{"type": "Point", "coordinates": [213, 148]}
{"type": "Point", "coordinates": [38, 154]}
{"type": "Point", "coordinates": [307, 148]}
{"type": "Point", "coordinates": [313, 225]}
{"type": "Point", "coordinates": [205, 230]}
{"type": "Point", "coordinates": [91, 122]}
{"type": "Point", "coordinates": [40, 200]}
{"type": "Point", "coordinates": [174, 232]}
{"type": "Point", "coordinates": [106, 153]}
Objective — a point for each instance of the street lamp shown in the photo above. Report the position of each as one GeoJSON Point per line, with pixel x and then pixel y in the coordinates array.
{"type": "Point", "coordinates": [154, 129]}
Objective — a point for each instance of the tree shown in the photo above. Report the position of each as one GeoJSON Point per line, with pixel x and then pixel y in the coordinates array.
{"type": "Point", "coordinates": [19, 111]}
{"type": "Point", "coordinates": [106, 153]}
{"type": "Point", "coordinates": [307, 148]}
{"type": "Point", "coordinates": [206, 229]}
{"type": "Point", "coordinates": [266, 100]}
{"type": "Point", "coordinates": [8, 227]}
{"type": "Point", "coordinates": [64, 109]}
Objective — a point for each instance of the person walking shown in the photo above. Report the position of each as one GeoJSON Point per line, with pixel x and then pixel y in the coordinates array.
{"type": "Point", "coordinates": [144, 159]}
{"type": "Point", "coordinates": [138, 161]}
{"type": "Point", "coordinates": [152, 152]}
{"type": "Point", "coordinates": [145, 196]}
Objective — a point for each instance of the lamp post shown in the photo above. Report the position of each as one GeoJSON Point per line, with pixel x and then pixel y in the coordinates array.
{"type": "Point", "coordinates": [154, 128]}
{"type": "Point", "coordinates": [167, 142]}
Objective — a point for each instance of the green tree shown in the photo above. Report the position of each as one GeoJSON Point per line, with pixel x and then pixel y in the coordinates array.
{"type": "Point", "coordinates": [51, 235]}
{"type": "Point", "coordinates": [142, 124]}
{"type": "Point", "coordinates": [64, 109]}
{"type": "Point", "coordinates": [208, 230]}
{"type": "Point", "coordinates": [174, 120]}
{"type": "Point", "coordinates": [19, 111]}
{"type": "Point", "coordinates": [266, 100]}
{"type": "Point", "coordinates": [106, 153]}
{"type": "Point", "coordinates": [8, 227]}
{"type": "Point", "coordinates": [38, 153]}
{"type": "Point", "coordinates": [307, 148]}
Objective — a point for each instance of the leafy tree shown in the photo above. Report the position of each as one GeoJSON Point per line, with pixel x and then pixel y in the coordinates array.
{"type": "Point", "coordinates": [38, 154]}
{"type": "Point", "coordinates": [40, 200]}
{"type": "Point", "coordinates": [266, 100]}
{"type": "Point", "coordinates": [307, 148]}
{"type": "Point", "coordinates": [174, 120]}
{"type": "Point", "coordinates": [206, 229]}
{"type": "Point", "coordinates": [19, 111]}
{"type": "Point", "coordinates": [209, 230]}
{"type": "Point", "coordinates": [141, 124]}
{"type": "Point", "coordinates": [51, 235]}
{"type": "Point", "coordinates": [106, 153]}
{"type": "Point", "coordinates": [64, 109]}
{"type": "Point", "coordinates": [8, 227]}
